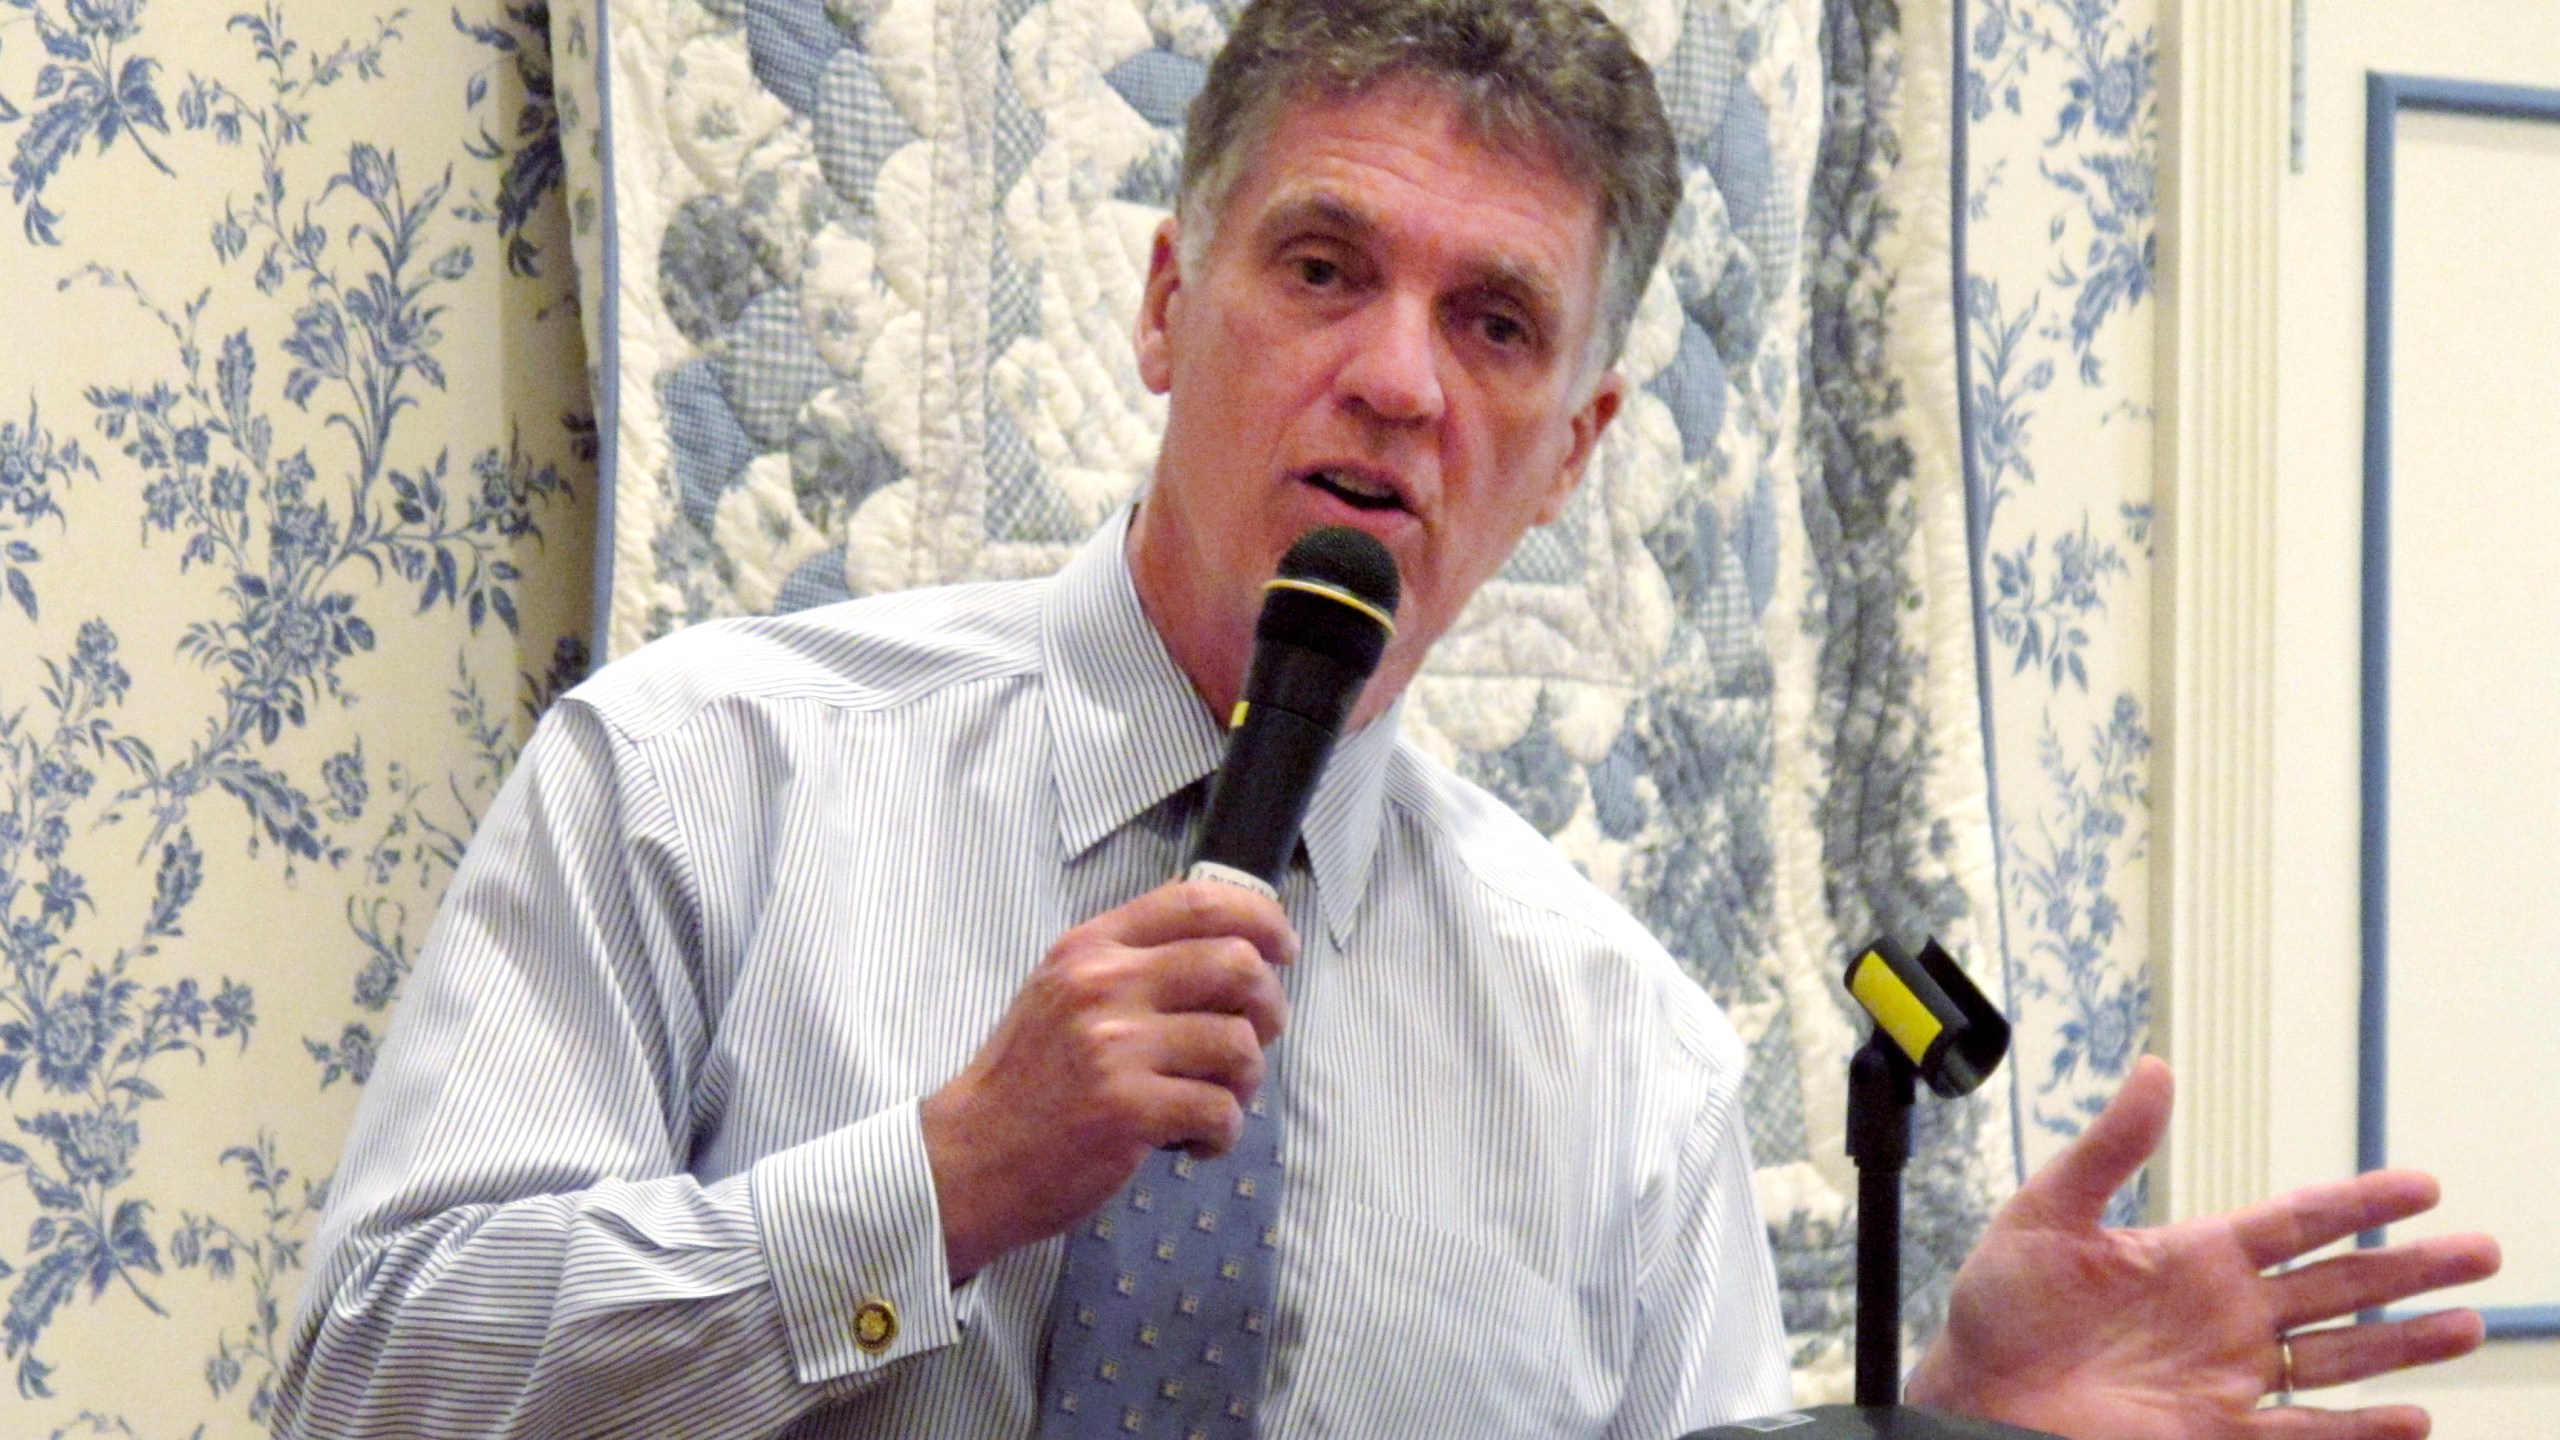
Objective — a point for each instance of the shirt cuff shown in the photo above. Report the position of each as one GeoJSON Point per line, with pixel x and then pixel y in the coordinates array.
{"type": "Point", "coordinates": [852, 1237]}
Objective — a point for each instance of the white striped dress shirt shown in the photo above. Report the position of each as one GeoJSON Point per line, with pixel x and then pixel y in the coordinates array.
{"type": "Point", "coordinates": [644, 1138]}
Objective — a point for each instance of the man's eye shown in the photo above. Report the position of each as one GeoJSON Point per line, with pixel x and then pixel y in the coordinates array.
{"type": "Point", "coordinates": [1317, 271]}
{"type": "Point", "coordinates": [1503, 330]}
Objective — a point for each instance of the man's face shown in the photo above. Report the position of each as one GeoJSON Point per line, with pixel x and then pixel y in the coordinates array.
{"type": "Point", "coordinates": [1389, 329]}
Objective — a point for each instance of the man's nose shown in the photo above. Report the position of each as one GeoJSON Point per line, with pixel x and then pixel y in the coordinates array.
{"type": "Point", "coordinates": [1393, 370]}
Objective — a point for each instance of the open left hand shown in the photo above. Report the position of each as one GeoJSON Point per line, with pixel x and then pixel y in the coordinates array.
{"type": "Point", "coordinates": [2170, 1333]}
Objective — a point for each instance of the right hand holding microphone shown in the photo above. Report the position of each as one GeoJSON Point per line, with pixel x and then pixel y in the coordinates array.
{"type": "Point", "coordinates": [1143, 1027]}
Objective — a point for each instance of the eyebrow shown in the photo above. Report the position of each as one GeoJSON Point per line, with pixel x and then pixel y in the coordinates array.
{"type": "Point", "coordinates": [1323, 210]}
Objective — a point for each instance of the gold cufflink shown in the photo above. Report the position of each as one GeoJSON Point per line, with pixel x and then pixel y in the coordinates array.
{"type": "Point", "coordinates": [875, 1325]}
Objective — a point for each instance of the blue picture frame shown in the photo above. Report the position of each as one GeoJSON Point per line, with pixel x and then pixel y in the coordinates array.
{"type": "Point", "coordinates": [2387, 96]}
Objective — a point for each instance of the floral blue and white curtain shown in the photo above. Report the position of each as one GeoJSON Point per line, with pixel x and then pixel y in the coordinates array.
{"type": "Point", "coordinates": [299, 516]}
{"type": "Point", "coordinates": [2060, 106]}
{"type": "Point", "coordinates": [296, 505]}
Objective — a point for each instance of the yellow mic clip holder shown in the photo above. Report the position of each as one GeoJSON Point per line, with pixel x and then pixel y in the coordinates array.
{"type": "Point", "coordinates": [1932, 1012]}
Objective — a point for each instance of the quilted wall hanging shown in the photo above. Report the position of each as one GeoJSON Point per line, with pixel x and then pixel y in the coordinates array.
{"type": "Point", "coordinates": [859, 280]}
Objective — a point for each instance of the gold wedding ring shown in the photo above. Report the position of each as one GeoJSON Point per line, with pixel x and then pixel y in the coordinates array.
{"type": "Point", "coordinates": [2284, 1369]}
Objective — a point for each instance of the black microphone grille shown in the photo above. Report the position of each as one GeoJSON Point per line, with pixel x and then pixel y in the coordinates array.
{"type": "Point", "coordinates": [1345, 559]}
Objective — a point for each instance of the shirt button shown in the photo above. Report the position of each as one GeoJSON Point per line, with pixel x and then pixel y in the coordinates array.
{"type": "Point", "coordinates": [875, 1325]}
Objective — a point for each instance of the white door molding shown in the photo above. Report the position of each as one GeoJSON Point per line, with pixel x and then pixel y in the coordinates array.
{"type": "Point", "coordinates": [2226, 121]}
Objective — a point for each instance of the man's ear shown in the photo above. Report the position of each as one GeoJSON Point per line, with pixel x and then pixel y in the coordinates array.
{"type": "Point", "coordinates": [1589, 424]}
{"type": "Point", "coordinates": [1153, 338]}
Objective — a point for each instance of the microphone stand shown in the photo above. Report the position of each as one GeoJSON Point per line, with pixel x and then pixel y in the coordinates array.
{"type": "Point", "coordinates": [1882, 1085]}
{"type": "Point", "coordinates": [1882, 1088]}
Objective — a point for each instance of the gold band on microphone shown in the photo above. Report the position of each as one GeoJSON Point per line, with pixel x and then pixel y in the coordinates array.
{"type": "Point", "coordinates": [1385, 621]}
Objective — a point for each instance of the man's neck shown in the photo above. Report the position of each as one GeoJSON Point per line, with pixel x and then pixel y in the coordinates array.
{"type": "Point", "coordinates": [1212, 651]}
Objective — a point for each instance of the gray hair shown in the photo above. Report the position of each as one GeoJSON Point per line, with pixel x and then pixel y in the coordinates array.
{"type": "Point", "coordinates": [1550, 79]}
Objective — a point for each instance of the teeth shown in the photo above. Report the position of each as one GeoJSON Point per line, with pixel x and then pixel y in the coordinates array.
{"type": "Point", "coordinates": [1354, 487]}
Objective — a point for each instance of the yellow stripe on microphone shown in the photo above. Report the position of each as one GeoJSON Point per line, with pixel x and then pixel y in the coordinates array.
{"type": "Point", "coordinates": [1385, 621]}
{"type": "Point", "coordinates": [1900, 1012]}
{"type": "Point", "coordinates": [1235, 717]}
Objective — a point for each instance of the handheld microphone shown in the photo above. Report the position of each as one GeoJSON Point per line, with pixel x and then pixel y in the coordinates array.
{"type": "Point", "coordinates": [1325, 621]}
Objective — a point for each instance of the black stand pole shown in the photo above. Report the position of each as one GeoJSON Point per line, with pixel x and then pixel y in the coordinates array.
{"type": "Point", "coordinates": [1880, 1096]}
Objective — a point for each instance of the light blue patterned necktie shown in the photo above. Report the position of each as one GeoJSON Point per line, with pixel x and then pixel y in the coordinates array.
{"type": "Point", "coordinates": [1163, 1312]}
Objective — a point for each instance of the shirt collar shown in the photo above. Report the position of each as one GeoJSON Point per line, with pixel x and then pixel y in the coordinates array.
{"type": "Point", "coordinates": [1126, 730]}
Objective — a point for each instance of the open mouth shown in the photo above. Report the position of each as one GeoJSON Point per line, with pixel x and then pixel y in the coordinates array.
{"type": "Point", "coordinates": [1357, 491]}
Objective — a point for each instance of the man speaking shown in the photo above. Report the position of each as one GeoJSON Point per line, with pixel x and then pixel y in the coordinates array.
{"type": "Point", "coordinates": [813, 1043]}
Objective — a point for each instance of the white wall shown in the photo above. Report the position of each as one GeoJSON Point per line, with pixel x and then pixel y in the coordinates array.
{"type": "Point", "coordinates": [2476, 666]}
